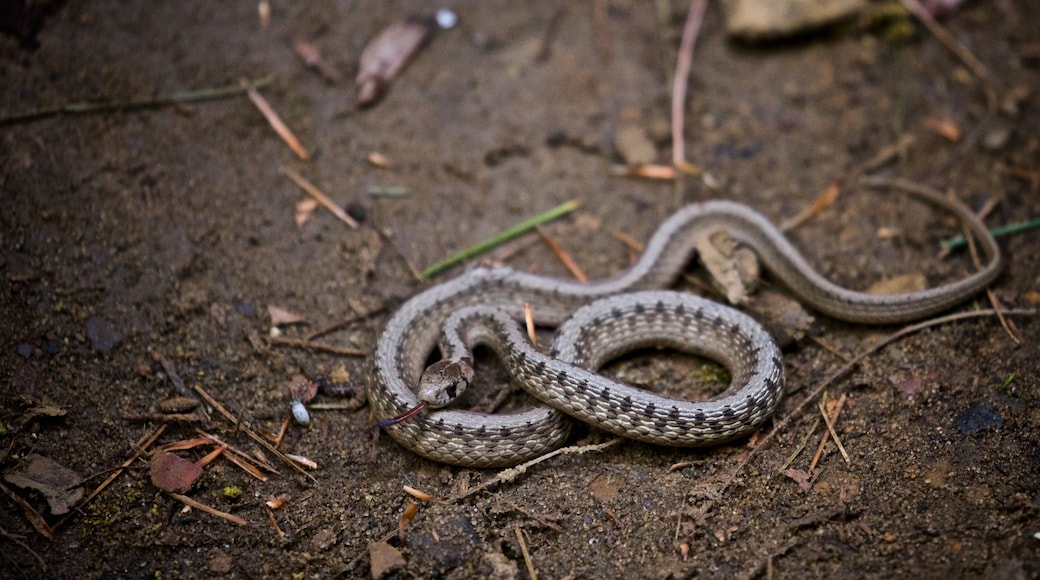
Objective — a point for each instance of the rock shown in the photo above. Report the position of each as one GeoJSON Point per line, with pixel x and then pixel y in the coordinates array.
{"type": "Point", "coordinates": [634, 146]}
{"type": "Point", "coordinates": [454, 545]}
{"type": "Point", "coordinates": [102, 334]}
{"type": "Point", "coordinates": [498, 566]}
{"type": "Point", "coordinates": [757, 20]}
{"type": "Point", "coordinates": [383, 558]}
{"type": "Point", "coordinates": [978, 419]}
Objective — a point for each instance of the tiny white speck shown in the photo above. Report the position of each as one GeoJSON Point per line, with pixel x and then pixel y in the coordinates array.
{"type": "Point", "coordinates": [299, 412]}
{"type": "Point", "coordinates": [446, 19]}
{"type": "Point", "coordinates": [1037, 535]}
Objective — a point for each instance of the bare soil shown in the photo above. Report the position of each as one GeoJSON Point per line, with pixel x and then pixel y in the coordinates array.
{"type": "Point", "coordinates": [165, 233]}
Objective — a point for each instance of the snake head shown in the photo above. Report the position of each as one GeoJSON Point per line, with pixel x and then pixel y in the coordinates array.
{"type": "Point", "coordinates": [443, 381]}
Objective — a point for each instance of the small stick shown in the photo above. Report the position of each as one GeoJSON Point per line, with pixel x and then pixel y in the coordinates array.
{"type": "Point", "coordinates": [210, 510]}
{"type": "Point", "coordinates": [34, 516]}
{"type": "Point", "coordinates": [171, 373]}
{"type": "Point", "coordinates": [563, 256]}
{"type": "Point", "coordinates": [800, 448]}
{"type": "Point", "coordinates": [529, 322]}
{"type": "Point", "coordinates": [277, 124]}
{"type": "Point", "coordinates": [512, 473]}
{"type": "Point", "coordinates": [830, 424]}
{"type": "Point", "coordinates": [139, 447]}
{"type": "Point", "coordinates": [16, 538]}
{"type": "Point", "coordinates": [825, 200]}
{"type": "Point", "coordinates": [509, 234]}
{"type": "Point", "coordinates": [682, 74]}
{"type": "Point", "coordinates": [345, 323]}
{"type": "Point", "coordinates": [946, 38]}
{"type": "Point", "coordinates": [299, 343]}
{"type": "Point", "coordinates": [905, 331]}
{"type": "Point", "coordinates": [274, 522]}
{"type": "Point", "coordinates": [320, 196]}
{"type": "Point", "coordinates": [252, 434]}
{"type": "Point", "coordinates": [177, 98]}
{"type": "Point", "coordinates": [527, 555]}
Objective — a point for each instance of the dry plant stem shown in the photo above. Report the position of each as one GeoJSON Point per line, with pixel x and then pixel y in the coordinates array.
{"type": "Point", "coordinates": [829, 420]}
{"type": "Point", "coordinates": [140, 448]}
{"type": "Point", "coordinates": [18, 540]}
{"type": "Point", "coordinates": [252, 434]}
{"type": "Point", "coordinates": [694, 18]}
{"type": "Point", "coordinates": [274, 522]}
{"type": "Point", "coordinates": [1009, 326]}
{"type": "Point", "coordinates": [345, 323]}
{"type": "Point", "coordinates": [512, 473]}
{"type": "Point", "coordinates": [210, 510]}
{"type": "Point", "coordinates": [947, 39]}
{"type": "Point", "coordinates": [822, 202]}
{"type": "Point", "coordinates": [34, 516]}
{"type": "Point", "coordinates": [563, 256]}
{"type": "Point", "coordinates": [277, 124]}
{"type": "Point", "coordinates": [302, 343]}
{"type": "Point", "coordinates": [124, 106]}
{"type": "Point", "coordinates": [529, 323]}
{"type": "Point", "coordinates": [319, 196]}
{"type": "Point", "coordinates": [905, 331]}
{"type": "Point", "coordinates": [801, 447]}
{"type": "Point", "coordinates": [175, 379]}
{"type": "Point", "coordinates": [527, 555]}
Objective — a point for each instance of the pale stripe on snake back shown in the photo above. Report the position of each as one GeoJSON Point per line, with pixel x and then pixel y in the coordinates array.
{"type": "Point", "coordinates": [463, 438]}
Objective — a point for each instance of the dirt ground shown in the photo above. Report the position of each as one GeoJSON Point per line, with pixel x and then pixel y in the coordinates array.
{"type": "Point", "coordinates": [134, 238]}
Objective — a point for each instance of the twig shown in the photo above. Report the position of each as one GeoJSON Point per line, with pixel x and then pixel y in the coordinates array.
{"type": "Point", "coordinates": [905, 331]}
{"type": "Point", "coordinates": [252, 434]}
{"type": "Point", "coordinates": [801, 447]}
{"type": "Point", "coordinates": [210, 510]}
{"type": "Point", "coordinates": [959, 241]}
{"type": "Point", "coordinates": [527, 555]}
{"type": "Point", "coordinates": [171, 373]}
{"type": "Point", "coordinates": [358, 317]}
{"type": "Point", "coordinates": [140, 447]}
{"type": "Point", "coordinates": [563, 256]}
{"type": "Point", "coordinates": [822, 202]}
{"type": "Point", "coordinates": [302, 343]}
{"type": "Point", "coordinates": [694, 18]}
{"type": "Point", "coordinates": [277, 124]}
{"type": "Point", "coordinates": [509, 234]}
{"type": "Point", "coordinates": [830, 424]}
{"type": "Point", "coordinates": [947, 39]}
{"type": "Point", "coordinates": [18, 540]}
{"type": "Point", "coordinates": [320, 196]}
{"type": "Point", "coordinates": [177, 98]}
{"type": "Point", "coordinates": [30, 512]}
{"type": "Point", "coordinates": [512, 473]}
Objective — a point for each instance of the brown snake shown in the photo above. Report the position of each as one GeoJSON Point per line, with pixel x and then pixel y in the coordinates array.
{"type": "Point", "coordinates": [628, 319]}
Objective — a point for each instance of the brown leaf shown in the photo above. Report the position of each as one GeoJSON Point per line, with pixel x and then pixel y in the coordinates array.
{"type": "Point", "coordinates": [386, 55]}
{"type": "Point", "coordinates": [281, 316]}
{"type": "Point", "coordinates": [55, 481]}
{"type": "Point", "coordinates": [172, 473]}
{"type": "Point", "coordinates": [803, 478]}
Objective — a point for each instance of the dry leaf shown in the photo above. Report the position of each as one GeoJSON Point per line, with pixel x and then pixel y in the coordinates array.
{"type": "Point", "coordinates": [57, 483]}
{"type": "Point", "coordinates": [281, 316]}
{"type": "Point", "coordinates": [170, 472]}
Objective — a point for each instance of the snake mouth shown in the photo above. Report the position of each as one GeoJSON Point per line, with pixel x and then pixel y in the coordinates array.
{"type": "Point", "coordinates": [403, 416]}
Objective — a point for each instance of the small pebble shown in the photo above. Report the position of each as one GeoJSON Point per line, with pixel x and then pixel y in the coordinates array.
{"type": "Point", "coordinates": [446, 19]}
{"type": "Point", "coordinates": [25, 350]}
{"type": "Point", "coordinates": [102, 334]}
{"type": "Point", "coordinates": [978, 419]}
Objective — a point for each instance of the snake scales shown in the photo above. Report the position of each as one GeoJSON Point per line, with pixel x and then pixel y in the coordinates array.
{"type": "Point", "coordinates": [481, 306]}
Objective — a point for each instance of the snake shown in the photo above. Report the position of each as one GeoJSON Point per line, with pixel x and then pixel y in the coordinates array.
{"type": "Point", "coordinates": [612, 316]}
